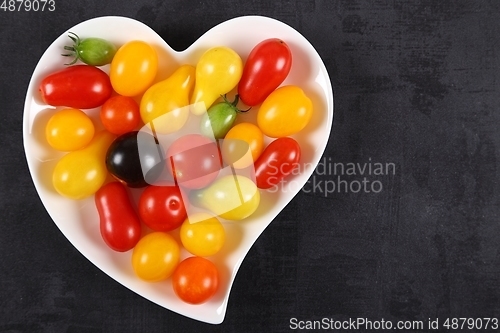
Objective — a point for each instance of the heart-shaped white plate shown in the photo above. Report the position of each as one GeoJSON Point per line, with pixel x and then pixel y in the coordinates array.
{"type": "Point", "coordinates": [79, 221]}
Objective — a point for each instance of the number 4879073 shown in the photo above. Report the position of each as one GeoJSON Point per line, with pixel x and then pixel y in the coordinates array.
{"type": "Point", "coordinates": [28, 5]}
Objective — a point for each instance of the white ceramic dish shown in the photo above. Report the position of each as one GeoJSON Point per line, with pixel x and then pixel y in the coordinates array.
{"type": "Point", "coordinates": [79, 221]}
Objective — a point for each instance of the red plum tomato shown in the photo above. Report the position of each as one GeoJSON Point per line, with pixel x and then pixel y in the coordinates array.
{"type": "Point", "coordinates": [267, 66]}
{"type": "Point", "coordinates": [276, 162]}
{"type": "Point", "coordinates": [78, 86]}
{"type": "Point", "coordinates": [120, 226]}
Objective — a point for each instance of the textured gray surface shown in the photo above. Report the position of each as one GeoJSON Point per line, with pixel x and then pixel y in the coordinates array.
{"type": "Point", "coordinates": [416, 84]}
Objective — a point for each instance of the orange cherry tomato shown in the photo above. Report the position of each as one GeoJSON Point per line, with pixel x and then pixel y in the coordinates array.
{"type": "Point", "coordinates": [286, 111]}
{"type": "Point", "coordinates": [234, 152]}
{"type": "Point", "coordinates": [133, 68]}
{"type": "Point", "coordinates": [69, 129]}
{"type": "Point", "coordinates": [155, 257]}
{"type": "Point", "coordinates": [195, 280]}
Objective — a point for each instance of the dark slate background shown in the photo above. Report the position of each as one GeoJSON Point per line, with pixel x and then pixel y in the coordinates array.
{"type": "Point", "coordinates": [416, 84]}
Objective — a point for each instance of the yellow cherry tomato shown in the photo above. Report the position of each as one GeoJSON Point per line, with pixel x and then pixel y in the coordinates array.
{"type": "Point", "coordinates": [238, 155]}
{"type": "Point", "coordinates": [202, 234]}
{"type": "Point", "coordinates": [155, 256]}
{"type": "Point", "coordinates": [82, 172]}
{"type": "Point", "coordinates": [165, 103]}
{"type": "Point", "coordinates": [69, 129]}
{"type": "Point", "coordinates": [230, 197]}
{"type": "Point", "coordinates": [218, 71]}
{"type": "Point", "coordinates": [133, 68]}
{"type": "Point", "coordinates": [286, 111]}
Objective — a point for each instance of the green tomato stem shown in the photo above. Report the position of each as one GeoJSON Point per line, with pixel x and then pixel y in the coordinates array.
{"type": "Point", "coordinates": [234, 103]}
{"type": "Point", "coordinates": [74, 38]}
{"type": "Point", "coordinates": [76, 41]}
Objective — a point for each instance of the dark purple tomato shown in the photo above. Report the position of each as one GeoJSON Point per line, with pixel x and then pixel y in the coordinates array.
{"type": "Point", "coordinates": [135, 159]}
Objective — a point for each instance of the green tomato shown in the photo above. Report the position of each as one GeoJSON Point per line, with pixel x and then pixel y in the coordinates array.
{"type": "Point", "coordinates": [219, 118]}
{"type": "Point", "coordinates": [91, 51]}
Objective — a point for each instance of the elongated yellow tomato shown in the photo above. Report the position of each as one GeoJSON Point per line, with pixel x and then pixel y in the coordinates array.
{"type": "Point", "coordinates": [202, 234]}
{"type": "Point", "coordinates": [232, 147]}
{"type": "Point", "coordinates": [286, 111]}
{"type": "Point", "coordinates": [218, 71]}
{"type": "Point", "coordinates": [133, 68]}
{"type": "Point", "coordinates": [81, 173]}
{"type": "Point", "coordinates": [155, 256]}
{"type": "Point", "coordinates": [69, 129]}
{"type": "Point", "coordinates": [165, 103]}
{"type": "Point", "coordinates": [230, 197]}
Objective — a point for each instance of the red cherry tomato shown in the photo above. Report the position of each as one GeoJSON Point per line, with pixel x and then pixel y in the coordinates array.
{"type": "Point", "coordinates": [120, 225]}
{"type": "Point", "coordinates": [277, 161]}
{"type": "Point", "coordinates": [161, 207]}
{"type": "Point", "coordinates": [194, 161]}
{"type": "Point", "coordinates": [267, 66]}
{"type": "Point", "coordinates": [195, 280]}
{"type": "Point", "coordinates": [78, 86]}
{"type": "Point", "coordinates": [120, 114]}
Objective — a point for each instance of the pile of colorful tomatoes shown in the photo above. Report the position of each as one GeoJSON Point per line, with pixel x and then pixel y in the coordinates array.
{"type": "Point", "coordinates": [131, 97]}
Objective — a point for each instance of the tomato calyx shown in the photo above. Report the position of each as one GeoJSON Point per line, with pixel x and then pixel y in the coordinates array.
{"type": "Point", "coordinates": [234, 103]}
{"type": "Point", "coordinates": [220, 117]}
{"type": "Point", "coordinates": [73, 49]}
